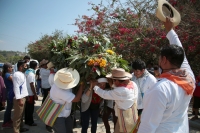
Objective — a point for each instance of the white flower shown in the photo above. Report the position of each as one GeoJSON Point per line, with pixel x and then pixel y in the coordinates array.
{"type": "Point", "coordinates": [97, 42]}
{"type": "Point", "coordinates": [106, 39]}
{"type": "Point", "coordinates": [85, 38]}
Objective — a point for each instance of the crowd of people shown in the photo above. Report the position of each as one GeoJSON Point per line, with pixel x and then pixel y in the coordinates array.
{"type": "Point", "coordinates": [144, 101]}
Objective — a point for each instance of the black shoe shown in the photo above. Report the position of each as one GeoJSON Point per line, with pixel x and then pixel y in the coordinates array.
{"type": "Point", "coordinates": [23, 130]}
{"type": "Point", "coordinates": [49, 129]}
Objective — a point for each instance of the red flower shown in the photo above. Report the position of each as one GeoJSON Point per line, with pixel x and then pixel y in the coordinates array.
{"type": "Point", "coordinates": [96, 46]}
{"type": "Point", "coordinates": [94, 69]}
{"type": "Point", "coordinates": [163, 37]}
{"type": "Point", "coordinates": [75, 38]}
{"type": "Point", "coordinates": [70, 40]}
{"type": "Point", "coordinates": [121, 45]}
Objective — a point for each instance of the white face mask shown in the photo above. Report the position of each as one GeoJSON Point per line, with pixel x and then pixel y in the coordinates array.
{"type": "Point", "coordinates": [160, 69]}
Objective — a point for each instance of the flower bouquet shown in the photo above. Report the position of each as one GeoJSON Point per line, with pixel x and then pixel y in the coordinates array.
{"type": "Point", "coordinates": [96, 57]}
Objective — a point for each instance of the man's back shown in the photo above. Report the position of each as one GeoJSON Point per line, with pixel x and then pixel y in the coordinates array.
{"type": "Point", "coordinates": [170, 103]}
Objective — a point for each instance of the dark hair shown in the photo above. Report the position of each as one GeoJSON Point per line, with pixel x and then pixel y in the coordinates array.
{"type": "Point", "coordinates": [138, 64]}
{"type": "Point", "coordinates": [174, 54]}
{"type": "Point", "coordinates": [155, 67]}
{"type": "Point", "coordinates": [20, 63]}
{"type": "Point", "coordinates": [5, 68]}
{"type": "Point", "coordinates": [33, 64]}
{"type": "Point", "coordinates": [27, 57]}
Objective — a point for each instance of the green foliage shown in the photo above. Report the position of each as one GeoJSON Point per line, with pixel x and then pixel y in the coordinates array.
{"type": "Point", "coordinates": [39, 49]}
{"type": "Point", "coordinates": [91, 56]}
{"type": "Point", "coordinates": [11, 56]}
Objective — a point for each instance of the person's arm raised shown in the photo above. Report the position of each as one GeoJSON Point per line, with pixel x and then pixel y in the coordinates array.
{"type": "Point", "coordinates": [79, 93]}
{"type": "Point", "coordinates": [174, 40]}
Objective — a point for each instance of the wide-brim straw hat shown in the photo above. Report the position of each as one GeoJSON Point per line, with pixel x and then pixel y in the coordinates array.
{"type": "Point", "coordinates": [43, 62]}
{"type": "Point", "coordinates": [120, 74]}
{"type": "Point", "coordinates": [50, 65]}
{"type": "Point", "coordinates": [165, 9]}
{"type": "Point", "coordinates": [66, 78]}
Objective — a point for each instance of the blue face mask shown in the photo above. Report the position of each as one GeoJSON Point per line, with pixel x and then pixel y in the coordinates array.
{"type": "Point", "coordinates": [55, 70]}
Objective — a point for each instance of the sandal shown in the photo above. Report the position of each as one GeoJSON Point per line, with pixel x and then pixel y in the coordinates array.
{"type": "Point", "coordinates": [23, 129]}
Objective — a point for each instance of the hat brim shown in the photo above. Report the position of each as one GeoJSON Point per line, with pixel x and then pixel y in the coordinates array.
{"type": "Point", "coordinates": [50, 65]}
{"type": "Point", "coordinates": [45, 62]}
{"type": "Point", "coordinates": [160, 15]}
{"type": "Point", "coordinates": [127, 76]}
{"type": "Point", "coordinates": [70, 85]}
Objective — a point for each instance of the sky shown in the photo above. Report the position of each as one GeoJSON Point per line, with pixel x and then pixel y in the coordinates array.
{"type": "Point", "coordinates": [25, 21]}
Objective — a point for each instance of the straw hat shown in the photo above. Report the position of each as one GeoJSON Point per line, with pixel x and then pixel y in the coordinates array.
{"type": "Point", "coordinates": [66, 78]}
{"type": "Point", "coordinates": [119, 73]}
{"type": "Point", "coordinates": [43, 62]}
{"type": "Point", "coordinates": [166, 9]}
{"type": "Point", "coordinates": [50, 65]}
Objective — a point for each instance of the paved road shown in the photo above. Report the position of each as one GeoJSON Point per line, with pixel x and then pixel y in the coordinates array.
{"type": "Point", "coordinates": [40, 128]}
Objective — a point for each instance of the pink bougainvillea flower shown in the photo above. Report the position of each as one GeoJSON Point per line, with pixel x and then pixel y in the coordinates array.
{"type": "Point", "coordinates": [75, 38]}
{"type": "Point", "coordinates": [163, 37]}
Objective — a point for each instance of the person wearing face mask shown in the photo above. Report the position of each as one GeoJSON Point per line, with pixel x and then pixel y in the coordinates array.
{"type": "Point", "coordinates": [166, 103]}
{"type": "Point", "coordinates": [26, 59]}
{"type": "Point", "coordinates": [143, 79]}
{"type": "Point", "coordinates": [21, 92]}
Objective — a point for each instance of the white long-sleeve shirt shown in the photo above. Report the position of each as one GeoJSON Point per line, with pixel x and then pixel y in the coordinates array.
{"type": "Point", "coordinates": [166, 103]}
{"type": "Point", "coordinates": [124, 97]}
{"type": "Point", "coordinates": [144, 83]}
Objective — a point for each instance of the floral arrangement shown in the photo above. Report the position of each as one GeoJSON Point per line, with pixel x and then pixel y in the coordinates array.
{"type": "Point", "coordinates": [96, 57]}
{"type": "Point", "coordinates": [90, 56]}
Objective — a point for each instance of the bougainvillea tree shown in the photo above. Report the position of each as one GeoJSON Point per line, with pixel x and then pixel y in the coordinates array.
{"type": "Point", "coordinates": [39, 49]}
{"type": "Point", "coordinates": [135, 31]}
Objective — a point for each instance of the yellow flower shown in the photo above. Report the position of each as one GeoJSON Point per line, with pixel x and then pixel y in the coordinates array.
{"type": "Point", "coordinates": [97, 60]}
{"type": "Point", "coordinates": [102, 63]}
{"type": "Point", "coordinates": [110, 51]}
{"type": "Point", "coordinates": [91, 62]}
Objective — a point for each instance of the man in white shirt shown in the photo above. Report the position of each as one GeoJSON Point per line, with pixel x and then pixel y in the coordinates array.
{"type": "Point", "coordinates": [20, 90]}
{"type": "Point", "coordinates": [44, 74]}
{"type": "Point", "coordinates": [32, 96]}
{"type": "Point", "coordinates": [125, 94]}
{"type": "Point", "coordinates": [166, 103]}
{"type": "Point", "coordinates": [27, 60]}
{"type": "Point", "coordinates": [143, 79]}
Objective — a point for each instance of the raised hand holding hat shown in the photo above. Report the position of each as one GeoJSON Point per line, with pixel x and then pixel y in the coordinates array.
{"type": "Point", "coordinates": [165, 9]}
